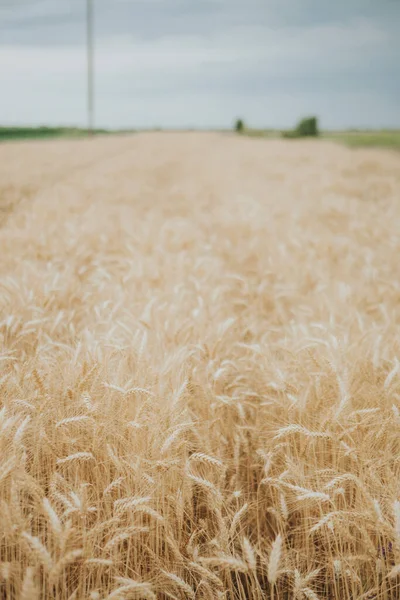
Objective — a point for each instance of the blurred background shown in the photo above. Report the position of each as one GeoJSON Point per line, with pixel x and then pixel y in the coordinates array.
{"type": "Point", "coordinates": [183, 64]}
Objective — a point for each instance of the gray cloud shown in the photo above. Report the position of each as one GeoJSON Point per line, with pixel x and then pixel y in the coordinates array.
{"type": "Point", "coordinates": [176, 62]}
{"type": "Point", "coordinates": [51, 21]}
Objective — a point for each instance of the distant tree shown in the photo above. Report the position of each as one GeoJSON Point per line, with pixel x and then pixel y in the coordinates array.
{"type": "Point", "coordinates": [307, 127]}
{"type": "Point", "coordinates": [239, 126]}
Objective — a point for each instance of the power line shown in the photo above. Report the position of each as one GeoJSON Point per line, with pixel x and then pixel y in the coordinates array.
{"type": "Point", "coordinates": [90, 65]}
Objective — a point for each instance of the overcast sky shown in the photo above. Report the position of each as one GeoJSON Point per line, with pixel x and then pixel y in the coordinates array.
{"type": "Point", "coordinates": [177, 63]}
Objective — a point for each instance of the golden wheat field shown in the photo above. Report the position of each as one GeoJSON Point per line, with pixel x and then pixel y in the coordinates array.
{"type": "Point", "coordinates": [199, 374]}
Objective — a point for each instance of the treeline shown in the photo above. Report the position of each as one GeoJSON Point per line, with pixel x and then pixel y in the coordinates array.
{"type": "Point", "coordinates": [307, 127]}
{"type": "Point", "coordinates": [10, 133]}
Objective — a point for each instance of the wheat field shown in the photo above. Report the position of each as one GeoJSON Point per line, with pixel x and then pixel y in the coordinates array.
{"type": "Point", "coordinates": [199, 374]}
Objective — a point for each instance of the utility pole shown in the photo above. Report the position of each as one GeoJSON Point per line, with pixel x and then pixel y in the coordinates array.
{"type": "Point", "coordinates": [90, 65]}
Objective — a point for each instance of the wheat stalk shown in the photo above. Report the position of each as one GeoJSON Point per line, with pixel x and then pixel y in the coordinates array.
{"type": "Point", "coordinates": [78, 456]}
{"type": "Point", "coordinates": [204, 458]}
{"type": "Point", "coordinates": [237, 518]}
{"type": "Point", "coordinates": [224, 561]}
{"type": "Point", "coordinates": [29, 590]}
{"type": "Point", "coordinates": [125, 535]}
{"type": "Point", "coordinates": [180, 584]}
{"type": "Point", "coordinates": [249, 554]}
{"type": "Point", "coordinates": [78, 420]}
{"type": "Point", "coordinates": [274, 560]}
{"type": "Point", "coordinates": [123, 504]}
{"type": "Point", "coordinates": [54, 520]}
{"type": "Point", "coordinates": [39, 550]}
